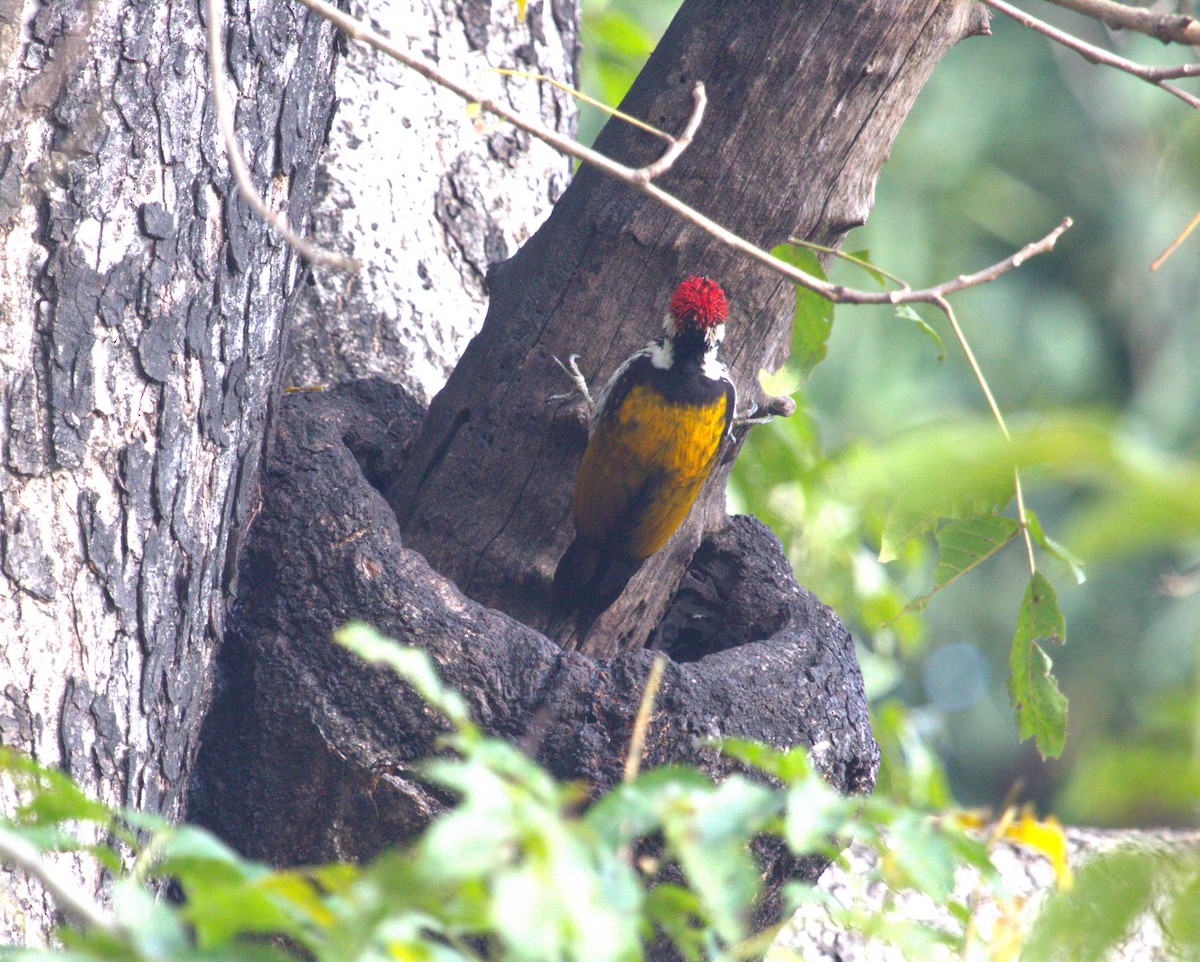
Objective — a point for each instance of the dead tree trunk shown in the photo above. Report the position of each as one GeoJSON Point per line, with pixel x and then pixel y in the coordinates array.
{"type": "Point", "coordinates": [804, 101]}
{"type": "Point", "coordinates": [141, 307]}
{"type": "Point", "coordinates": [306, 753]}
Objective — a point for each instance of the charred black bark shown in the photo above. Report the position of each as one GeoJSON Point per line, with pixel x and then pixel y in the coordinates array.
{"type": "Point", "coordinates": [306, 752]}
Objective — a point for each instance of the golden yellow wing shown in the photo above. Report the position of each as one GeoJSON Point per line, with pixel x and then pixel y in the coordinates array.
{"type": "Point", "coordinates": [643, 467]}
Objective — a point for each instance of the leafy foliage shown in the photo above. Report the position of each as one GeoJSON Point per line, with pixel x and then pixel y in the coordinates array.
{"type": "Point", "coordinates": [515, 871]}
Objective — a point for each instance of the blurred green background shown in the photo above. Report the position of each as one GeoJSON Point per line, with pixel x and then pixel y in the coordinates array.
{"type": "Point", "coordinates": [1010, 135]}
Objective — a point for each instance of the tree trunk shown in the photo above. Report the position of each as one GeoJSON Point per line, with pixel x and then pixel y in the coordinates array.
{"type": "Point", "coordinates": [307, 754]}
{"type": "Point", "coordinates": [424, 198]}
{"type": "Point", "coordinates": [804, 101]}
{"type": "Point", "coordinates": [306, 751]}
{"type": "Point", "coordinates": [140, 316]}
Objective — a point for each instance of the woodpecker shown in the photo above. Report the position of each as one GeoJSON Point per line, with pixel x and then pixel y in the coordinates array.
{"type": "Point", "coordinates": [653, 437]}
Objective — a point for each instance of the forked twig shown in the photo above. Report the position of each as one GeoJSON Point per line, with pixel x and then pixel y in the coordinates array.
{"type": "Point", "coordinates": [1155, 75]}
{"type": "Point", "coordinates": [1167, 27]}
{"type": "Point", "coordinates": [644, 184]}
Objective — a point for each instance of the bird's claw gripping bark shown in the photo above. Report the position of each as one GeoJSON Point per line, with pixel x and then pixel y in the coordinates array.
{"type": "Point", "coordinates": [754, 416]}
{"type": "Point", "coordinates": [571, 370]}
{"type": "Point", "coordinates": [781, 407]}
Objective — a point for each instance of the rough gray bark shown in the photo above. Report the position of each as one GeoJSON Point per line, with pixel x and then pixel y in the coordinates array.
{"type": "Point", "coordinates": [140, 317]}
{"type": "Point", "coordinates": [423, 197]}
{"type": "Point", "coordinates": [804, 100]}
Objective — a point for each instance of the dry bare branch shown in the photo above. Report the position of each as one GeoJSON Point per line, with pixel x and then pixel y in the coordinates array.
{"type": "Point", "coordinates": [237, 162]}
{"type": "Point", "coordinates": [637, 741]}
{"type": "Point", "coordinates": [1155, 75]}
{"type": "Point", "coordinates": [678, 144]}
{"type": "Point", "coordinates": [834, 292]}
{"type": "Point", "coordinates": [1167, 27]}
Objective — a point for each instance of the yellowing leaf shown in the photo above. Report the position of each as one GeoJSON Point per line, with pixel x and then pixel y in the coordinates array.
{"type": "Point", "coordinates": [786, 380]}
{"type": "Point", "coordinates": [971, 818]}
{"type": "Point", "coordinates": [1045, 836]}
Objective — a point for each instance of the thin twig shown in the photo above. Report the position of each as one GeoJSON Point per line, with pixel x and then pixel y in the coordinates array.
{"type": "Point", "coordinates": [678, 144]}
{"type": "Point", "coordinates": [580, 95]}
{"type": "Point", "coordinates": [1183, 235]}
{"type": "Point", "coordinates": [237, 162]}
{"type": "Point", "coordinates": [963, 281]}
{"type": "Point", "coordinates": [637, 741]}
{"type": "Point", "coordinates": [1167, 27]}
{"type": "Point", "coordinates": [857, 261]}
{"type": "Point", "coordinates": [68, 895]}
{"type": "Point", "coordinates": [1155, 75]}
{"type": "Point", "coordinates": [981, 380]}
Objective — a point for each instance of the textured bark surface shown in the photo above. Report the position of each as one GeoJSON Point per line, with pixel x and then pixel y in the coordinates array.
{"type": "Point", "coordinates": [307, 751]}
{"type": "Point", "coordinates": [804, 101]}
{"type": "Point", "coordinates": [140, 317]}
{"type": "Point", "coordinates": [422, 196]}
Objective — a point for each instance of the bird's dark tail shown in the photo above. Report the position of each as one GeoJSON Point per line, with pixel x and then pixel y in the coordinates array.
{"type": "Point", "coordinates": [589, 577]}
{"type": "Point", "coordinates": [576, 570]}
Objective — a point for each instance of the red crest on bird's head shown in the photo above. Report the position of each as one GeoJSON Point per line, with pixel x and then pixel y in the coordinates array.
{"type": "Point", "coordinates": [698, 304]}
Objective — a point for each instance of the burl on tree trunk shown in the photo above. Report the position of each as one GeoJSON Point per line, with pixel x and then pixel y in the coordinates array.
{"type": "Point", "coordinates": [305, 754]}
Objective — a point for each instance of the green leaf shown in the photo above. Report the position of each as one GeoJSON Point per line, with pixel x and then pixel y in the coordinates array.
{"type": "Point", "coordinates": [963, 545]}
{"type": "Point", "coordinates": [412, 664]}
{"type": "Point", "coordinates": [1097, 912]}
{"type": "Point", "coordinates": [863, 259]}
{"type": "Point", "coordinates": [1182, 917]}
{"type": "Point", "coordinates": [154, 927]}
{"type": "Point", "coordinates": [676, 911]}
{"type": "Point", "coordinates": [1054, 549]}
{"type": "Point", "coordinates": [901, 529]}
{"type": "Point", "coordinates": [812, 319]}
{"type": "Point", "coordinates": [708, 833]}
{"type": "Point", "coordinates": [790, 766]}
{"type": "Point", "coordinates": [53, 797]}
{"type": "Point", "coordinates": [815, 815]}
{"type": "Point", "coordinates": [1040, 706]}
{"type": "Point", "coordinates": [919, 855]}
{"type": "Point", "coordinates": [907, 313]}
{"type": "Point", "coordinates": [910, 770]}
{"type": "Point", "coordinates": [634, 809]}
